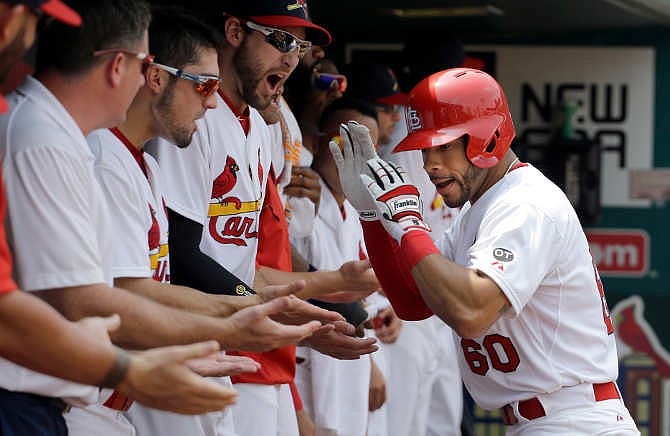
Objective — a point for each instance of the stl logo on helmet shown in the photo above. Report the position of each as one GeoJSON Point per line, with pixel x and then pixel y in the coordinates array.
{"type": "Point", "coordinates": [413, 120]}
{"type": "Point", "coordinates": [236, 228]}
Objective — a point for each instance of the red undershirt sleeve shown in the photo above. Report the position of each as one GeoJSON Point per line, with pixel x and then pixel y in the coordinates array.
{"type": "Point", "coordinates": [393, 270]}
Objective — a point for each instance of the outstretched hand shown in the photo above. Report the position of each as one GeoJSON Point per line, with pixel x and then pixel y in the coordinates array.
{"type": "Point", "coordinates": [252, 328]}
{"type": "Point", "coordinates": [220, 364]}
{"type": "Point", "coordinates": [350, 157]}
{"type": "Point", "coordinates": [340, 342]}
{"type": "Point", "coordinates": [160, 378]}
{"type": "Point", "coordinates": [298, 312]}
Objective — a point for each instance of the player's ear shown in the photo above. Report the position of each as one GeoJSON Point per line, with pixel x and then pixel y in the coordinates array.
{"type": "Point", "coordinates": [234, 31]}
{"type": "Point", "coordinates": [156, 79]}
{"type": "Point", "coordinates": [115, 69]}
{"type": "Point", "coordinates": [10, 22]}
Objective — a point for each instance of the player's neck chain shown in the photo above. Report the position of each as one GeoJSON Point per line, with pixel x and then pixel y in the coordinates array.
{"type": "Point", "coordinates": [509, 168]}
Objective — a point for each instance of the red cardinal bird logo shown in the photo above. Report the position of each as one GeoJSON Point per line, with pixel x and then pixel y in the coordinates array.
{"type": "Point", "coordinates": [154, 231]}
{"type": "Point", "coordinates": [636, 333]}
{"type": "Point", "coordinates": [225, 182]}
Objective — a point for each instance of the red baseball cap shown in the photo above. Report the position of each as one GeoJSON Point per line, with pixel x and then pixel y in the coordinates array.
{"type": "Point", "coordinates": [279, 13]}
{"type": "Point", "coordinates": [53, 8]}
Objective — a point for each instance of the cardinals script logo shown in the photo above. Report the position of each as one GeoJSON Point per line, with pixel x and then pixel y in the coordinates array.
{"type": "Point", "coordinates": [235, 229]}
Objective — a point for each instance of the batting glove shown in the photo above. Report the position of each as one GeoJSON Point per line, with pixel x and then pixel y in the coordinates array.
{"type": "Point", "coordinates": [350, 156]}
{"type": "Point", "coordinates": [397, 201]}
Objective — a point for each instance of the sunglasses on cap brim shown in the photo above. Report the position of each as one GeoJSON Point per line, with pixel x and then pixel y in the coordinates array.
{"type": "Point", "coordinates": [206, 85]}
{"type": "Point", "coordinates": [328, 81]}
{"type": "Point", "coordinates": [282, 40]}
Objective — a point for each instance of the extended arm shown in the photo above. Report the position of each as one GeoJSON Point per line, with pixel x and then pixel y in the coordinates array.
{"type": "Point", "coordinates": [149, 324]}
{"type": "Point", "coordinates": [34, 335]}
{"type": "Point", "coordinates": [153, 377]}
{"type": "Point", "coordinates": [466, 299]}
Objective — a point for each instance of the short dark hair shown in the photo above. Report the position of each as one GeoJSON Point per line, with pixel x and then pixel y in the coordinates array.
{"type": "Point", "coordinates": [106, 24]}
{"type": "Point", "coordinates": [347, 103]}
{"type": "Point", "coordinates": [176, 37]}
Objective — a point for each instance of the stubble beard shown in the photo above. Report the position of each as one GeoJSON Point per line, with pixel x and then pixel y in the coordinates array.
{"type": "Point", "coordinates": [178, 135]}
{"type": "Point", "coordinates": [470, 177]}
{"type": "Point", "coordinates": [247, 71]}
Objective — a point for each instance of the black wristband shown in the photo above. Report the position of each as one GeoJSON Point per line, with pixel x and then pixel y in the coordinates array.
{"type": "Point", "coordinates": [119, 370]}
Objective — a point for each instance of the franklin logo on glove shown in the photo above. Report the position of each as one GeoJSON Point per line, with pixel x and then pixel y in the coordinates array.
{"type": "Point", "coordinates": [400, 205]}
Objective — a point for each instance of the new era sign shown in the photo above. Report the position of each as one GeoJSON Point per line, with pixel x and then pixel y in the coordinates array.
{"type": "Point", "coordinates": [620, 252]}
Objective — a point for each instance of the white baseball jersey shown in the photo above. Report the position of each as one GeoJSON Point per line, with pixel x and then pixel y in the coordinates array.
{"type": "Point", "coordinates": [435, 212]}
{"type": "Point", "coordinates": [133, 191]}
{"type": "Point", "coordinates": [219, 182]}
{"type": "Point", "coordinates": [58, 221]}
{"type": "Point", "coordinates": [524, 234]}
{"type": "Point", "coordinates": [334, 392]}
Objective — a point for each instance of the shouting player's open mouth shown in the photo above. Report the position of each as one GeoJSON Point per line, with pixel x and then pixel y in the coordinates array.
{"type": "Point", "coordinates": [275, 81]}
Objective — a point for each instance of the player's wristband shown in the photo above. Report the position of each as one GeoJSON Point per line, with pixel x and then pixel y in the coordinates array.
{"type": "Point", "coordinates": [368, 215]}
{"type": "Point", "coordinates": [119, 370]}
{"type": "Point", "coordinates": [415, 245]}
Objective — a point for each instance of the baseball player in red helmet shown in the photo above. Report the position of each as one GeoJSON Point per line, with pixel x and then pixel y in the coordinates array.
{"type": "Point", "coordinates": [513, 276]}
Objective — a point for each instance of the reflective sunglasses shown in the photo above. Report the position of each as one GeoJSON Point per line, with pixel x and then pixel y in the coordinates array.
{"type": "Point", "coordinates": [281, 40]}
{"type": "Point", "coordinates": [206, 85]}
{"type": "Point", "coordinates": [147, 59]}
{"type": "Point", "coordinates": [327, 81]}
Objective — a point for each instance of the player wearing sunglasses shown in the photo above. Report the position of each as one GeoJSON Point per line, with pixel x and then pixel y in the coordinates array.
{"type": "Point", "coordinates": [175, 95]}
{"type": "Point", "coordinates": [217, 188]}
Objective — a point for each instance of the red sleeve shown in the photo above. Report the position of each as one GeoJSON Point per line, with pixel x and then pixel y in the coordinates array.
{"type": "Point", "coordinates": [297, 401]}
{"type": "Point", "coordinates": [394, 273]}
{"type": "Point", "coordinates": [6, 282]}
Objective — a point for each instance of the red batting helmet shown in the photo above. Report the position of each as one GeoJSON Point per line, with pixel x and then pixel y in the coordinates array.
{"type": "Point", "coordinates": [457, 102]}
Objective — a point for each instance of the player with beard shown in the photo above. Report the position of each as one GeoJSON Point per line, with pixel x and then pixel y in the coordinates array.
{"type": "Point", "coordinates": [56, 200]}
{"type": "Point", "coordinates": [177, 92]}
{"type": "Point", "coordinates": [216, 192]}
{"type": "Point", "coordinates": [513, 276]}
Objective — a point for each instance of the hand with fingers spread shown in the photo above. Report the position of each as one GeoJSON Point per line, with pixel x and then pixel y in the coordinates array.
{"type": "Point", "coordinates": [397, 200]}
{"type": "Point", "coordinates": [304, 183]}
{"type": "Point", "coordinates": [161, 379]}
{"type": "Point", "coordinates": [299, 311]}
{"type": "Point", "coordinates": [350, 157]}
{"type": "Point", "coordinates": [341, 342]}
{"type": "Point", "coordinates": [254, 330]}
{"type": "Point", "coordinates": [220, 364]}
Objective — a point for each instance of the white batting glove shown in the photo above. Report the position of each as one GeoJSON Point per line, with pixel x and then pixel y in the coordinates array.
{"type": "Point", "coordinates": [350, 158]}
{"type": "Point", "coordinates": [397, 201]}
